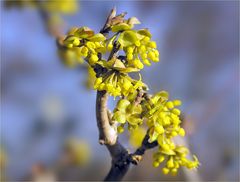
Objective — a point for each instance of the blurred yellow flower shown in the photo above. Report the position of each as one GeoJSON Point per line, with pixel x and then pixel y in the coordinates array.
{"type": "Point", "coordinates": [136, 136]}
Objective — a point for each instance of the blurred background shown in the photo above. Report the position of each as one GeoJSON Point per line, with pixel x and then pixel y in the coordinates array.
{"type": "Point", "coordinates": [48, 114]}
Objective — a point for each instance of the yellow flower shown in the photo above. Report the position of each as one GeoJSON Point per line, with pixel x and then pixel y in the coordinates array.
{"type": "Point", "coordinates": [138, 47]}
{"type": "Point", "coordinates": [128, 112]}
{"type": "Point", "coordinates": [84, 44]}
{"type": "Point", "coordinates": [136, 136]}
{"type": "Point", "coordinates": [117, 84]}
{"type": "Point", "coordinates": [175, 159]}
{"type": "Point", "coordinates": [91, 77]}
{"type": "Point", "coordinates": [78, 150]}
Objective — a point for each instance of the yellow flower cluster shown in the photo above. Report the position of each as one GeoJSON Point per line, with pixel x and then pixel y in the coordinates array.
{"type": "Point", "coordinates": [142, 49]}
{"type": "Point", "coordinates": [78, 151]}
{"type": "Point", "coordinates": [129, 112]}
{"type": "Point", "coordinates": [138, 47]}
{"type": "Point", "coordinates": [60, 6]}
{"type": "Point", "coordinates": [85, 44]}
{"type": "Point", "coordinates": [174, 160]}
{"type": "Point", "coordinates": [162, 117]}
{"type": "Point", "coordinates": [117, 84]}
{"type": "Point", "coordinates": [164, 124]}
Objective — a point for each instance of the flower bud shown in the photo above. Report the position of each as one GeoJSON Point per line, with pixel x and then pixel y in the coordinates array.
{"type": "Point", "coordinates": [174, 171]}
{"type": "Point", "coordinates": [151, 55]}
{"type": "Point", "coordinates": [142, 49]}
{"type": "Point", "coordinates": [146, 39]}
{"type": "Point", "coordinates": [144, 55]}
{"type": "Point", "coordinates": [176, 111]}
{"type": "Point", "coordinates": [119, 117]}
{"type": "Point", "coordinates": [93, 59]}
{"type": "Point", "coordinates": [69, 46]}
{"type": "Point", "coordinates": [84, 51]}
{"type": "Point", "coordinates": [147, 62]}
{"type": "Point", "coordinates": [159, 129]}
{"type": "Point", "coordinates": [170, 163]}
{"type": "Point", "coordinates": [129, 56]}
{"type": "Point", "coordinates": [152, 44]}
{"type": "Point", "coordinates": [174, 133]}
{"type": "Point", "coordinates": [90, 45]}
{"type": "Point", "coordinates": [165, 170]}
{"type": "Point", "coordinates": [156, 164]}
{"type": "Point", "coordinates": [122, 104]}
{"type": "Point", "coordinates": [98, 81]}
{"type": "Point", "coordinates": [76, 42]}
{"type": "Point", "coordinates": [137, 43]}
{"type": "Point", "coordinates": [138, 64]}
{"type": "Point", "coordinates": [177, 102]}
{"type": "Point", "coordinates": [169, 105]}
{"type": "Point", "coordinates": [165, 147]}
{"type": "Point", "coordinates": [130, 50]}
{"type": "Point", "coordinates": [120, 129]}
{"type": "Point", "coordinates": [181, 132]}
{"type": "Point", "coordinates": [161, 158]}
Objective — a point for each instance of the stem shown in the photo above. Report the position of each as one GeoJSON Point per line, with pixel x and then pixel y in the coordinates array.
{"type": "Point", "coordinates": [107, 133]}
{"type": "Point", "coordinates": [108, 137]}
{"type": "Point", "coordinates": [120, 165]}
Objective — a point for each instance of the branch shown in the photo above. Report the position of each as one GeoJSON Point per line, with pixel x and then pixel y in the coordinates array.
{"type": "Point", "coordinates": [120, 163]}
{"type": "Point", "coordinates": [108, 137]}
{"type": "Point", "coordinates": [107, 133]}
{"type": "Point", "coordinates": [140, 96]}
{"type": "Point", "coordinates": [122, 160]}
{"type": "Point", "coordinates": [136, 157]}
{"type": "Point", "coordinates": [54, 29]}
{"type": "Point", "coordinates": [114, 51]}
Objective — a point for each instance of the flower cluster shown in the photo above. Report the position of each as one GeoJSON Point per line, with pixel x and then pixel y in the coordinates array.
{"type": "Point", "coordinates": [110, 61]}
{"type": "Point", "coordinates": [77, 151]}
{"type": "Point", "coordinates": [141, 49]}
{"type": "Point", "coordinates": [129, 112]}
{"type": "Point", "coordinates": [60, 6]}
{"type": "Point", "coordinates": [117, 84]}
{"type": "Point", "coordinates": [164, 123]}
{"type": "Point", "coordinates": [137, 46]}
{"type": "Point", "coordinates": [174, 160]}
{"type": "Point", "coordinates": [85, 44]}
{"type": "Point", "coordinates": [162, 119]}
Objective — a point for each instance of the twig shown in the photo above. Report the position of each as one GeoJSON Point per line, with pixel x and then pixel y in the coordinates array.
{"type": "Point", "coordinates": [55, 30]}
{"type": "Point", "coordinates": [139, 97]}
{"type": "Point", "coordinates": [114, 51]}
